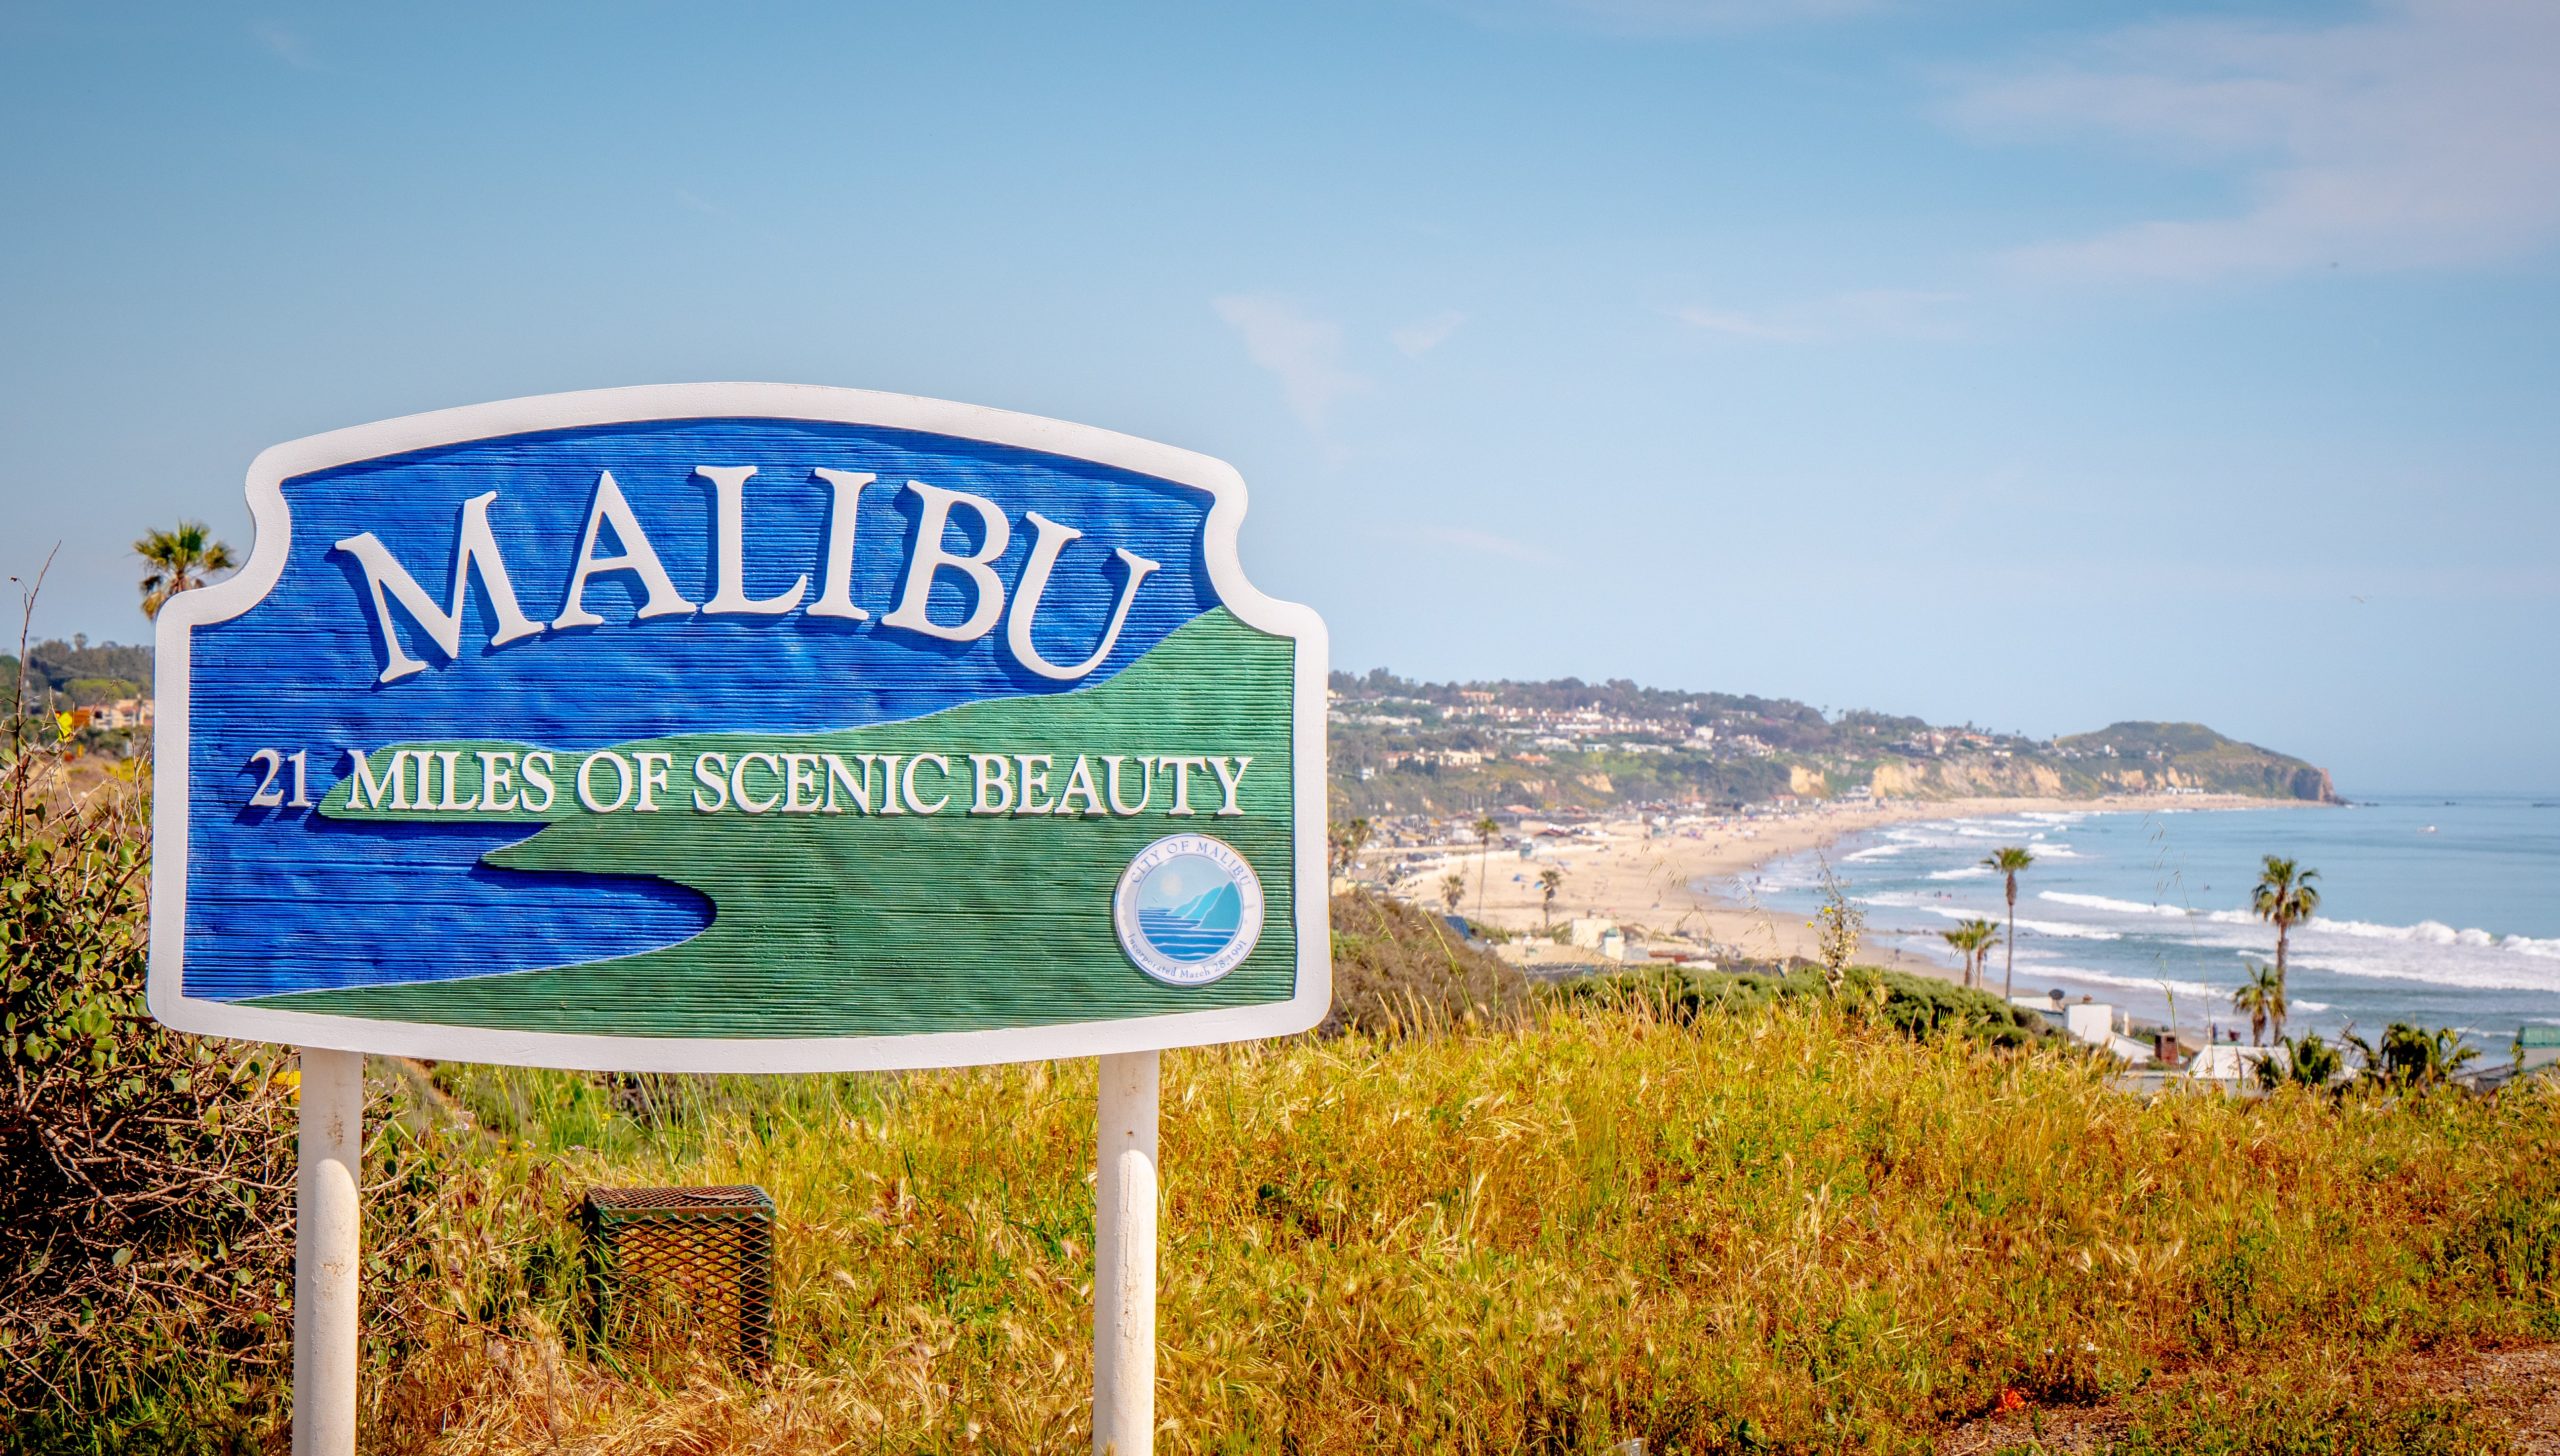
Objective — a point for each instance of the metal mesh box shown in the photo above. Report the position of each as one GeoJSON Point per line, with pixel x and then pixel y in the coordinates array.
{"type": "Point", "coordinates": [684, 1266]}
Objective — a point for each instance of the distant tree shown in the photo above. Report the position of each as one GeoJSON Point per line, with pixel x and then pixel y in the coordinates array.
{"type": "Point", "coordinates": [1345, 839]}
{"type": "Point", "coordinates": [2285, 897]}
{"type": "Point", "coordinates": [1452, 890]}
{"type": "Point", "coordinates": [1972, 940]}
{"type": "Point", "coordinates": [1550, 880]}
{"type": "Point", "coordinates": [179, 560]}
{"type": "Point", "coordinates": [1957, 940]}
{"type": "Point", "coordinates": [1486, 829]}
{"type": "Point", "coordinates": [2009, 861]}
{"type": "Point", "coordinates": [2262, 997]}
{"type": "Point", "coordinates": [1986, 934]}
{"type": "Point", "coordinates": [2412, 1058]}
{"type": "Point", "coordinates": [2307, 1062]}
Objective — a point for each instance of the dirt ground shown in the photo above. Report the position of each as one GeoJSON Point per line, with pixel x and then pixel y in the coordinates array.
{"type": "Point", "coordinates": [2516, 1389]}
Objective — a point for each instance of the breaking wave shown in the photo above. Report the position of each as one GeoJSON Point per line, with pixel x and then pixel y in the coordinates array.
{"type": "Point", "coordinates": [2470, 974]}
{"type": "Point", "coordinates": [2425, 932]}
{"type": "Point", "coordinates": [2068, 931]}
{"type": "Point", "coordinates": [2087, 977]}
{"type": "Point", "coordinates": [2120, 907]}
{"type": "Point", "coordinates": [2436, 932]}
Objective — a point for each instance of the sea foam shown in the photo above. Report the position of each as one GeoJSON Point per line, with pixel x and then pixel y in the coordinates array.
{"type": "Point", "coordinates": [2119, 907]}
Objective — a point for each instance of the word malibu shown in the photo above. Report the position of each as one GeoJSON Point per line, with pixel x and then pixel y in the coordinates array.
{"type": "Point", "coordinates": [388, 583]}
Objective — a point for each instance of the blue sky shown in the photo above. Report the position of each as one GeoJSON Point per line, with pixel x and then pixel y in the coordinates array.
{"type": "Point", "coordinates": [1990, 360]}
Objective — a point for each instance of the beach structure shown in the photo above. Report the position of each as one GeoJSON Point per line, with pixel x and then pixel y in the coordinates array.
{"type": "Point", "coordinates": [2227, 1062]}
{"type": "Point", "coordinates": [2093, 1023]}
{"type": "Point", "coordinates": [2538, 1047]}
{"type": "Point", "coordinates": [2106, 1028]}
{"type": "Point", "coordinates": [1585, 932]}
{"type": "Point", "coordinates": [2536, 1054]}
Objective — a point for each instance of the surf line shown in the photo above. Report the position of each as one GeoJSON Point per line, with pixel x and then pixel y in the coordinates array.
{"type": "Point", "coordinates": [436, 781]}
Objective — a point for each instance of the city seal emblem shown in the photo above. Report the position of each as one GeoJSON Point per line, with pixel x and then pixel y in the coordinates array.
{"type": "Point", "coordinates": [1188, 909]}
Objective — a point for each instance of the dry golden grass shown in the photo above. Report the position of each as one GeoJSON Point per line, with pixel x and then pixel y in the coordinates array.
{"type": "Point", "coordinates": [1785, 1229]}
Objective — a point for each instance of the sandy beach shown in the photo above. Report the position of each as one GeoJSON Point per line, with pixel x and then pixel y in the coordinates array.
{"type": "Point", "coordinates": [1693, 882]}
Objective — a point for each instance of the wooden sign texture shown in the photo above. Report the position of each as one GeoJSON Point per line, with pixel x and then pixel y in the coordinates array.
{"type": "Point", "coordinates": [739, 727]}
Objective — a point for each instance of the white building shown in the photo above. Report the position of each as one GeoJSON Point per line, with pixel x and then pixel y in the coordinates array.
{"type": "Point", "coordinates": [2096, 1024]}
{"type": "Point", "coordinates": [1587, 931]}
{"type": "Point", "coordinates": [2225, 1062]}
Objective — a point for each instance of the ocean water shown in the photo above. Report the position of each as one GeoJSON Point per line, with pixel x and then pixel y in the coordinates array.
{"type": "Point", "coordinates": [2439, 909]}
{"type": "Point", "coordinates": [1182, 937]}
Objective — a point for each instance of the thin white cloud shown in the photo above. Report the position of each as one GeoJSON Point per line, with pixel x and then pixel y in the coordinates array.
{"type": "Point", "coordinates": [1418, 339]}
{"type": "Point", "coordinates": [2424, 134]}
{"type": "Point", "coordinates": [289, 46]}
{"type": "Point", "coordinates": [1303, 352]}
{"type": "Point", "coordinates": [1904, 313]}
{"type": "Point", "coordinates": [1656, 18]}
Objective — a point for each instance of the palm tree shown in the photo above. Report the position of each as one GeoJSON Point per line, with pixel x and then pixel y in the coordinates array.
{"type": "Point", "coordinates": [1452, 890]}
{"type": "Point", "coordinates": [1960, 940]}
{"type": "Point", "coordinates": [2285, 897]}
{"type": "Point", "coordinates": [2262, 996]}
{"type": "Point", "coordinates": [1551, 880]}
{"type": "Point", "coordinates": [180, 560]}
{"type": "Point", "coordinates": [2451, 1054]}
{"type": "Point", "coordinates": [1486, 829]}
{"type": "Point", "coordinates": [2008, 862]}
{"type": "Point", "coordinates": [1345, 840]}
{"type": "Point", "coordinates": [1972, 940]}
{"type": "Point", "coordinates": [2412, 1057]}
{"type": "Point", "coordinates": [2308, 1062]}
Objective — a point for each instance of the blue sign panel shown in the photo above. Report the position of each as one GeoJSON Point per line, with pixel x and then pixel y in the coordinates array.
{"type": "Point", "coordinates": [739, 727]}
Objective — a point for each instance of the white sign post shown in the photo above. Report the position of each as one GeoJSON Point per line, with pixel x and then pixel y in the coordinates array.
{"type": "Point", "coordinates": [327, 1253]}
{"type": "Point", "coordinates": [738, 728]}
{"type": "Point", "coordinates": [1124, 1256]}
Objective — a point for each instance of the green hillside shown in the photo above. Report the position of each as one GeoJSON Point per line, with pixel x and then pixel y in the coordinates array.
{"type": "Point", "coordinates": [2198, 757]}
{"type": "Point", "coordinates": [1402, 746]}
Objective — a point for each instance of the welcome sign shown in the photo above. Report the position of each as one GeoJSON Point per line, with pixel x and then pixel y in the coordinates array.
{"type": "Point", "coordinates": [739, 727]}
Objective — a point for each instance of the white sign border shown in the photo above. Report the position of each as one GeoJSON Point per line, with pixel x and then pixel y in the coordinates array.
{"type": "Point", "coordinates": [643, 403]}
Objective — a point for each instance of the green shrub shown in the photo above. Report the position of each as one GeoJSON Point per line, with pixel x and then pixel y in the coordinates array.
{"type": "Point", "coordinates": [1398, 970]}
{"type": "Point", "coordinates": [1918, 1006]}
{"type": "Point", "coordinates": [145, 1219]}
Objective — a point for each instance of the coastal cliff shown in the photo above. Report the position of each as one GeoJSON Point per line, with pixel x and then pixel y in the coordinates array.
{"type": "Point", "coordinates": [1407, 747]}
{"type": "Point", "coordinates": [2125, 758]}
